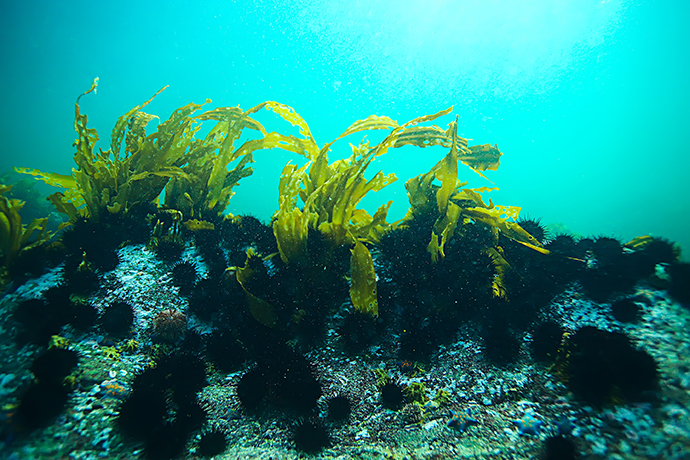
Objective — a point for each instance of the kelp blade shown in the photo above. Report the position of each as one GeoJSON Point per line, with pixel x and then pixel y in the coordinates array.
{"type": "Point", "coordinates": [363, 281]}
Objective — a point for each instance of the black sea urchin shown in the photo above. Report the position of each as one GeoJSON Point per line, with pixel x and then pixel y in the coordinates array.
{"type": "Point", "coordinates": [185, 275]}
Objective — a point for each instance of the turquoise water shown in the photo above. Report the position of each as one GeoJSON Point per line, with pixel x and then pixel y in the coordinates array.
{"type": "Point", "coordinates": [587, 99]}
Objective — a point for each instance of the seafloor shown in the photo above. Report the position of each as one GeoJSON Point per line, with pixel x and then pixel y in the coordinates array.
{"type": "Point", "coordinates": [496, 396]}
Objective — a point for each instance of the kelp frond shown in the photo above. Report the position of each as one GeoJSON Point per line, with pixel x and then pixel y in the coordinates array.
{"type": "Point", "coordinates": [363, 281]}
{"type": "Point", "coordinates": [139, 166]}
{"type": "Point", "coordinates": [451, 201]}
{"type": "Point", "coordinates": [198, 175]}
{"type": "Point", "coordinates": [111, 180]}
{"type": "Point", "coordinates": [330, 193]}
{"type": "Point", "coordinates": [14, 236]}
{"type": "Point", "coordinates": [261, 310]}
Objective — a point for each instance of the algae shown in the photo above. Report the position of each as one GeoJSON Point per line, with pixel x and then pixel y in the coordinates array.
{"type": "Point", "coordinates": [330, 194]}
{"type": "Point", "coordinates": [197, 177]}
{"type": "Point", "coordinates": [415, 392]}
{"type": "Point", "coordinates": [261, 310]}
{"type": "Point", "coordinates": [15, 237]}
{"type": "Point", "coordinates": [363, 284]}
{"type": "Point", "coordinates": [193, 172]}
{"type": "Point", "coordinates": [454, 204]}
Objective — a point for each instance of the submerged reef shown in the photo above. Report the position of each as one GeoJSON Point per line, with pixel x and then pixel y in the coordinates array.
{"type": "Point", "coordinates": [168, 328]}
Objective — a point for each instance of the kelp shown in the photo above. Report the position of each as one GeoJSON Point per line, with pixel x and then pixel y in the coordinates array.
{"type": "Point", "coordinates": [363, 282]}
{"type": "Point", "coordinates": [455, 205]}
{"type": "Point", "coordinates": [453, 202]}
{"type": "Point", "coordinates": [343, 187]}
{"type": "Point", "coordinates": [206, 189]}
{"type": "Point", "coordinates": [217, 181]}
{"type": "Point", "coordinates": [198, 175]}
{"type": "Point", "coordinates": [193, 172]}
{"type": "Point", "coordinates": [261, 310]}
{"type": "Point", "coordinates": [167, 228]}
{"type": "Point", "coordinates": [107, 181]}
{"type": "Point", "coordinates": [291, 224]}
{"type": "Point", "coordinates": [331, 192]}
{"type": "Point", "coordinates": [14, 236]}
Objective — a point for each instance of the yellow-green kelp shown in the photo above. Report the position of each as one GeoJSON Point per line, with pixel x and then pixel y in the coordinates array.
{"type": "Point", "coordinates": [16, 237]}
{"type": "Point", "coordinates": [456, 205]}
{"type": "Point", "coordinates": [330, 193]}
{"type": "Point", "coordinates": [193, 172]}
{"type": "Point", "coordinates": [195, 176]}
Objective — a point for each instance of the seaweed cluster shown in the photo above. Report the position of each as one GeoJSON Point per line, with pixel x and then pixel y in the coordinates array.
{"type": "Point", "coordinates": [270, 292]}
{"type": "Point", "coordinates": [18, 242]}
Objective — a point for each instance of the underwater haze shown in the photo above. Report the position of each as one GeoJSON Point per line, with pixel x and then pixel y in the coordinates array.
{"type": "Point", "coordinates": [588, 100]}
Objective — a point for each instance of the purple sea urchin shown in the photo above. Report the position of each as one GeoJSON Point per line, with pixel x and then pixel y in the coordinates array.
{"type": "Point", "coordinates": [169, 324]}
